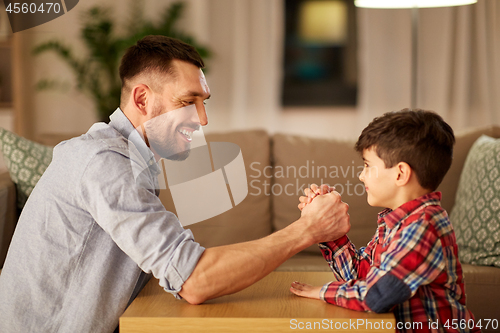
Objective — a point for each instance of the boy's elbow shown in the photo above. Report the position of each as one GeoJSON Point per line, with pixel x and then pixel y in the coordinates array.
{"type": "Point", "coordinates": [386, 293]}
{"type": "Point", "coordinates": [382, 309]}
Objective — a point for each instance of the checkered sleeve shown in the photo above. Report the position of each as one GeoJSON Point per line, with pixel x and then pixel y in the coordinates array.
{"type": "Point", "coordinates": [345, 261]}
{"type": "Point", "coordinates": [414, 257]}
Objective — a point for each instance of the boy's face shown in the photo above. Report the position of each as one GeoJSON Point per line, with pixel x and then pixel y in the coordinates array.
{"type": "Point", "coordinates": [379, 181]}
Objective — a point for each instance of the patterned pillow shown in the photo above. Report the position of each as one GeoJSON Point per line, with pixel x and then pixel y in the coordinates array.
{"type": "Point", "coordinates": [476, 214]}
{"type": "Point", "coordinates": [26, 161]}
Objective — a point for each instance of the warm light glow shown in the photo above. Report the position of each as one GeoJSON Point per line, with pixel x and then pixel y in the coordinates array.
{"type": "Point", "coordinates": [411, 3]}
{"type": "Point", "coordinates": [323, 22]}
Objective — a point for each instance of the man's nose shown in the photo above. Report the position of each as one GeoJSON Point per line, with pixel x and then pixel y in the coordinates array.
{"type": "Point", "coordinates": [202, 114]}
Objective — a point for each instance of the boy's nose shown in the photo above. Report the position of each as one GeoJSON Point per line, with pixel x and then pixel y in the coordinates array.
{"type": "Point", "coordinates": [362, 176]}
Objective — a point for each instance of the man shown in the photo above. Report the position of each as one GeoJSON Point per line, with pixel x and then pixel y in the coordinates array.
{"type": "Point", "coordinates": [93, 230]}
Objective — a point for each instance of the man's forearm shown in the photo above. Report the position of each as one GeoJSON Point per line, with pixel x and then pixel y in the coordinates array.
{"type": "Point", "coordinates": [227, 269]}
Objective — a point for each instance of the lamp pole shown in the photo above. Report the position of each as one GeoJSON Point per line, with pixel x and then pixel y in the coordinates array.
{"type": "Point", "coordinates": [414, 5]}
{"type": "Point", "coordinates": [414, 56]}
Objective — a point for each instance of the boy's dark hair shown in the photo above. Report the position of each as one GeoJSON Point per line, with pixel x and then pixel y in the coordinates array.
{"type": "Point", "coordinates": [154, 54]}
{"type": "Point", "coordinates": [418, 137]}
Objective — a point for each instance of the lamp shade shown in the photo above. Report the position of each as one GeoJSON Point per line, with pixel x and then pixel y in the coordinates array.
{"type": "Point", "coordinates": [323, 22]}
{"type": "Point", "coordinates": [411, 3]}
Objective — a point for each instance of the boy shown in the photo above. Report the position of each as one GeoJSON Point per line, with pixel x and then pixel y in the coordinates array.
{"type": "Point", "coordinates": [411, 264]}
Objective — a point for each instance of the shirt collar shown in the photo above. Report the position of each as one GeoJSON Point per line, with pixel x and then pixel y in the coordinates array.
{"type": "Point", "coordinates": [393, 217]}
{"type": "Point", "coordinates": [120, 122]}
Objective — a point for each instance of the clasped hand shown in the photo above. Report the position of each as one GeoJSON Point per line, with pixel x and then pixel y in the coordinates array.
{"type": "Point", "coordinates": [324, 211]}
{"type": "Point", "coordinates": [315, 200]}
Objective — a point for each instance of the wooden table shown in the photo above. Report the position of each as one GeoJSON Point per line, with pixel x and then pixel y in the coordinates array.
{"type": "Point", "coordinates": [266, 306]}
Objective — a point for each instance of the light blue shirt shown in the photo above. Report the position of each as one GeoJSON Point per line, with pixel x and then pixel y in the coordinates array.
{"type": "Point", "coordinates": [89, 232]}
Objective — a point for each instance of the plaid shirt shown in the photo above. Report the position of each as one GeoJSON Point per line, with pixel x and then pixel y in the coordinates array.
{"type": "Point", "coordinates": [410, 267]}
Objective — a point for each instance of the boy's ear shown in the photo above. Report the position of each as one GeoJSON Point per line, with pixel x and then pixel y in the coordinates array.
{"type": "Point", "coordinates": [404, 173]}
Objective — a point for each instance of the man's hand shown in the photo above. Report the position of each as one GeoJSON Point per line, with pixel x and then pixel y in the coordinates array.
{"type": "Point", "coordinates": [305, 290]}
{"type": "Point", "coordinates": [325, 218]}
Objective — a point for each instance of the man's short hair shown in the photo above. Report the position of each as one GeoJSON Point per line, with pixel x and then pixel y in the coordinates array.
{"type": "Point", "coordinates": [153, 55]}
{"type": "Point", "coordinates": [420, 138]}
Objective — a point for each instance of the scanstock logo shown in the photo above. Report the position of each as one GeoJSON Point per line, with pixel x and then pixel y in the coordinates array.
{"type": "Point", "coordinates": [28, 14]}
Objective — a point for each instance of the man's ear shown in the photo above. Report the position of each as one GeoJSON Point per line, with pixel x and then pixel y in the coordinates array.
{"type": "Point", "coordinates": [404, 173]}
{"type": "Point", "coordinates": [141, 96]}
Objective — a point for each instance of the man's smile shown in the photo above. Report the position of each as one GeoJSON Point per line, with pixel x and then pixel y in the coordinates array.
{"type": "Point", "coordinates": [186, 131]}
{"type": "Point", "coordinates": [187, 134]}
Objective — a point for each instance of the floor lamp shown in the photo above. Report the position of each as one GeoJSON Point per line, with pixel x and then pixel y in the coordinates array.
{"type": "Point", "coordinates": [414, 5]}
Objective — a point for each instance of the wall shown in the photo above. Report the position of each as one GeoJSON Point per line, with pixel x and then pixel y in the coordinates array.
{"type": "Point", "coordinates": [243, 75]}
{"type": "Point", "coordinates": [245, 72]}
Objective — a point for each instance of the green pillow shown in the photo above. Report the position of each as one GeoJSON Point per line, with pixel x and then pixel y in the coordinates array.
{"type": "Point", "coordinates": [476, 214]}
{"type": "Point", "coordinates": [26, 161]}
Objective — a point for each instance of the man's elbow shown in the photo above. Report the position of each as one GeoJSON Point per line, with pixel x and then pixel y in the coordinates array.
{"type": "Point", "coordinates": [194, 300]}
{"type": "Point", "coordinates": [193, 297]}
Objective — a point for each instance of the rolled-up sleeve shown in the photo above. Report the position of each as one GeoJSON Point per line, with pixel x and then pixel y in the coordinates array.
{"type": "Point", "coordinates": [185, 259]}
{"type": "Point", "coordinates": [126, 207]}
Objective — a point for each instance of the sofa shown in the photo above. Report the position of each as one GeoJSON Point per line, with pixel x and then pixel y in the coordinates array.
{"type": "Point", "coordinates": [278, 168]}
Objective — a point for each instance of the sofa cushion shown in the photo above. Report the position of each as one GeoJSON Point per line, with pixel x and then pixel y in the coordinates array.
{"type": "Point", "coordinates": [8, 213]}
{"type": "Point", "coordinates": [26, 161]}
{"type": "Point", "coordinates": [251, 219]}
{"type": "Point", "coordinates": [464, 141]}
{"type": "Point", "coordinates": [482, 289]}
{"type": "Point", "coordinates": [301, 161]}
{"type": "Point", "coordinates": [476, 214]}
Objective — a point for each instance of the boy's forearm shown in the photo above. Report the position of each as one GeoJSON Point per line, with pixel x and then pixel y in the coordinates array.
{"type": "Point", "coordinates": [329, 249]}
{"type": "Point", "coordinates": [227, 269]}
{"type": "Point", "coordinates": [341, 251]}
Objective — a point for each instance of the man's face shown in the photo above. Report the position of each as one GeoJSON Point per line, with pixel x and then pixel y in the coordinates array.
{"type": "Point", "coordinates": [178, 110]}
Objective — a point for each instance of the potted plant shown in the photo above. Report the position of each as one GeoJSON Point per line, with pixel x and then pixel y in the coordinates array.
{"type": "Point", "coordinates": [97, 73]}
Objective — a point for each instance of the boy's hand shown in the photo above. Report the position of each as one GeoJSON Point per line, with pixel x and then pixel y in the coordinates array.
{"type": "Point", "coordinates": [326, 218]}
{"type": "Point", "coordinates": [311, 193]}
{"type": "Point", "coordinates": [305, 290]}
